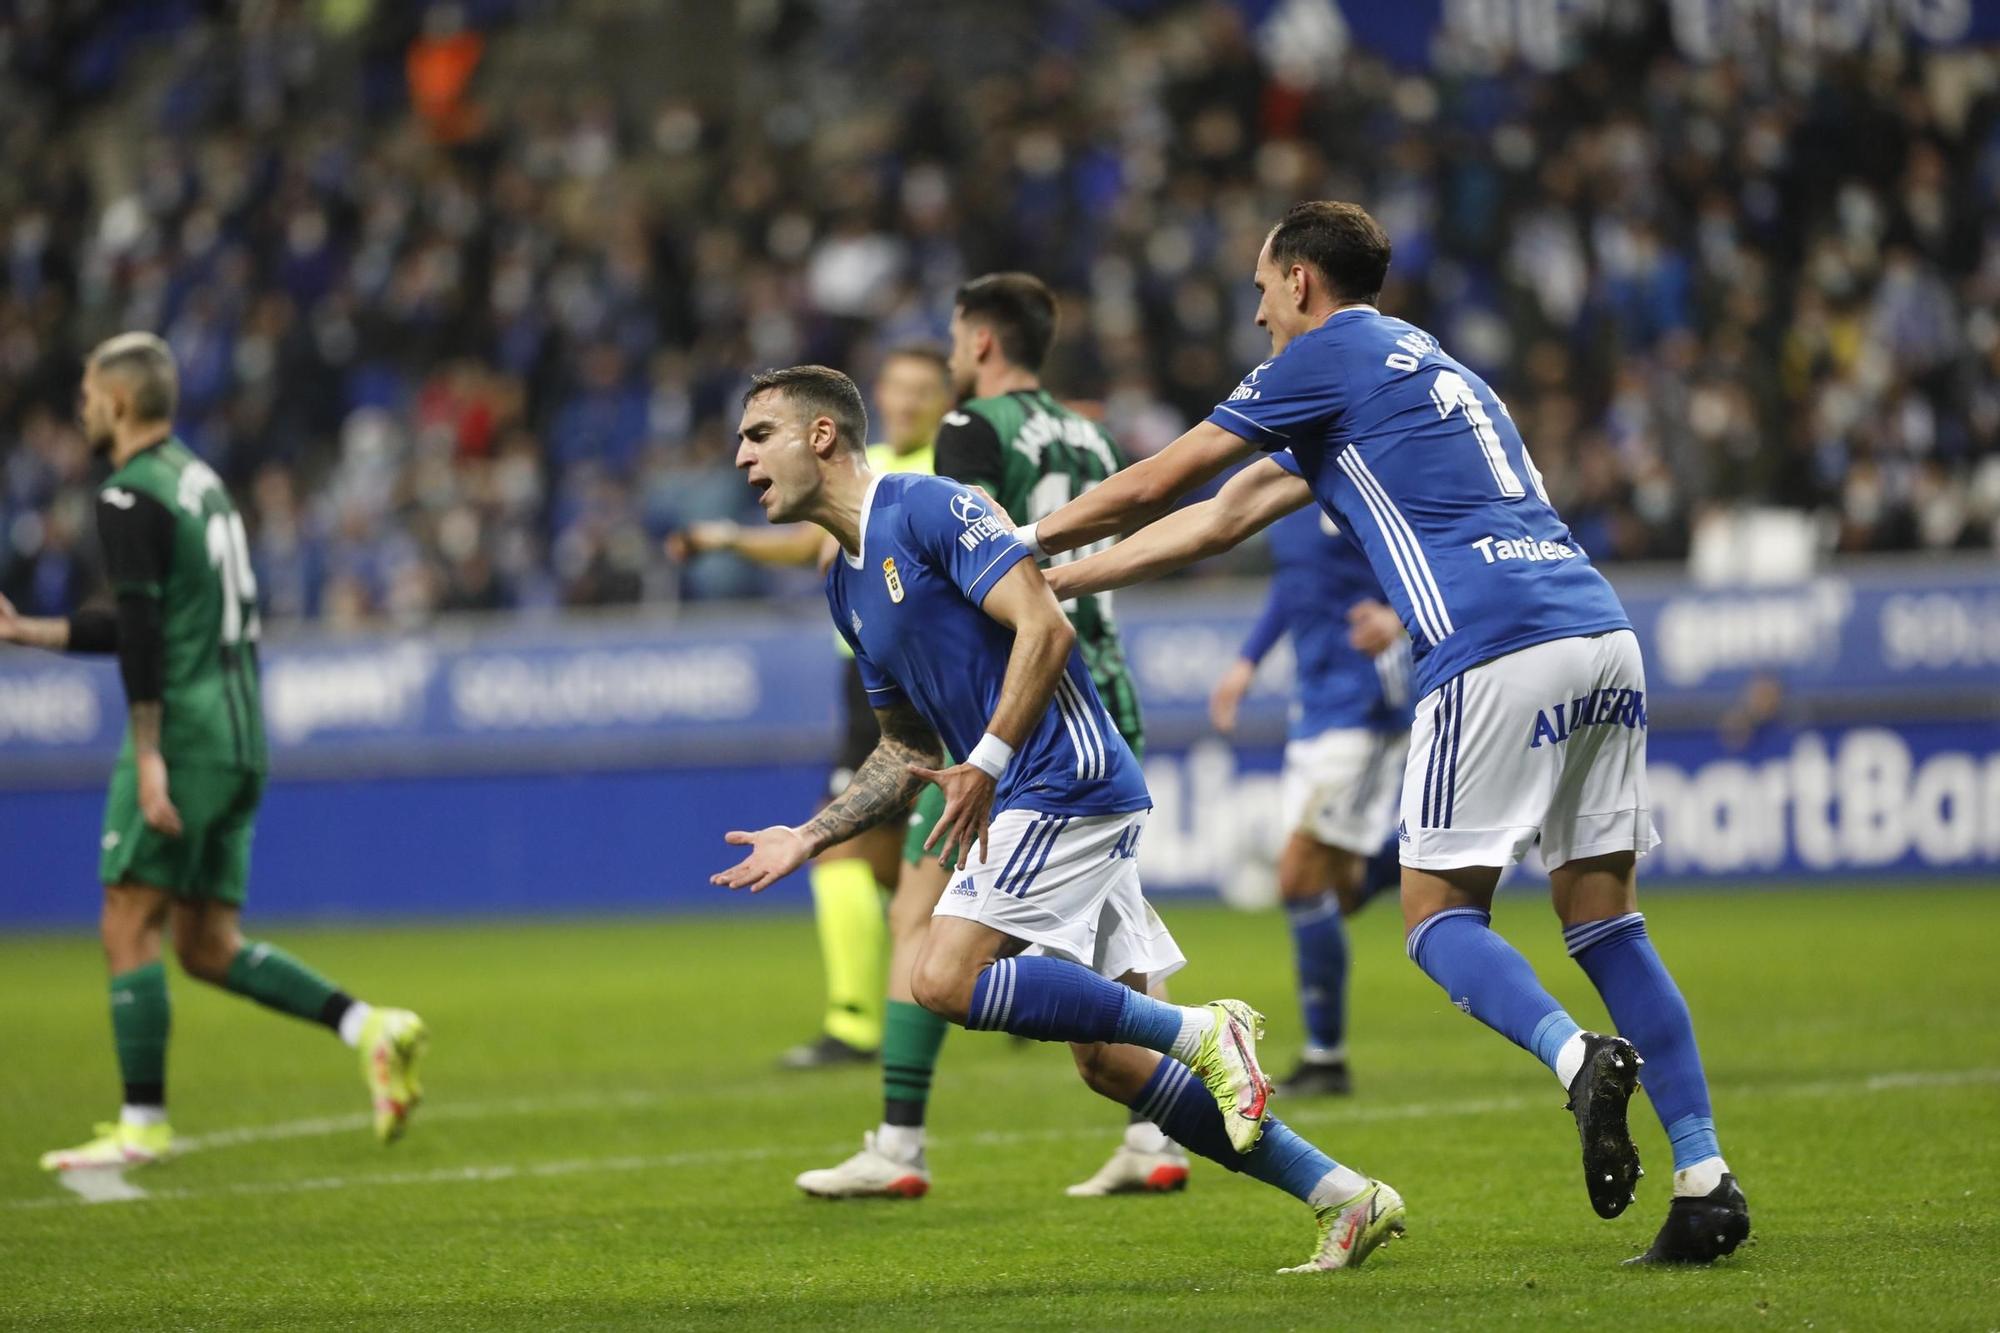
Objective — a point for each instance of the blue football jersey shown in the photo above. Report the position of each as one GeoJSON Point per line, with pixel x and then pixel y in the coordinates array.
{"type": "Point", "coordinates": [910, 609]}
{"type": "Point", "coordinates": [1419, 461]}
{"type": "Point", "coordinates": [1319, 575]}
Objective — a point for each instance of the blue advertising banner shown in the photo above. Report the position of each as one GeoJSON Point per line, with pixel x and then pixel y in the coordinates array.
{"type": "Point", "coordinates": [574, 767]}
{"type": "Point", "coordinates": [760, 688]}
{"type": "Point", "coordinates": [1855, 802]}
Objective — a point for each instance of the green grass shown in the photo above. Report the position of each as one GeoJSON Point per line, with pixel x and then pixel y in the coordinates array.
{"type": "Point", "coordinates": [607, 1145]}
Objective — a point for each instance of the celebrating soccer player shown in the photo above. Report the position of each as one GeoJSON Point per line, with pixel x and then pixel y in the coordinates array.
{"type": "Point", "coordinates": [184, 797]}
{"type": "Point", "coordinates": [912, 390]}
{"type": "Point", "coordinates": [1532, 717]}
{"type": "Point", "coordinates": [1044, 932]}
{"type": "Point", "coordinates": [1032, 454]}
{"type": "Point", "coordinates": [1350, 728]}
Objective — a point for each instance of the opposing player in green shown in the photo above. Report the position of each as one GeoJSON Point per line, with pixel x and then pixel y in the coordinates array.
{"type": "Point", "coordinates": [184, 796]}
{"type": "Point", "coordinates": [1012, 438]}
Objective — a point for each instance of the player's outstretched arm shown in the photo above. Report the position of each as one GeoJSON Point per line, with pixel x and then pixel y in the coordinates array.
{"type": "Point", "coordinates": [1248, 502]}
{"type": "Point", "coordinates": [882, 789]}
{"type": "Point", "coordinates": [1043, 637]}
{"type": "Point", "coordinates": [88, 631]}
{"type": "Point", "coordinates": [1128, 500]}
{"type": "Point", "coordinates": [792, 545]}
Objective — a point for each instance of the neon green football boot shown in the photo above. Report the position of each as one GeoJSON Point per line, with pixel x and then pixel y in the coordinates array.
{"type": "Point", "coordinates": [392, 1041]}
{"type": "Point", "coordinates": [1351, 1231]}
{"type": "Point", "coordinates": [1226, 1063]}
{"type": "Point", "coordinates": [116, 1144]}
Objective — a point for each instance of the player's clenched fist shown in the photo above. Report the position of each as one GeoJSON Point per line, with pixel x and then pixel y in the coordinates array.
{"type": "Point", "coordinates": [775, 852]}
{"type": "Point", "coordinates": [968, 808]}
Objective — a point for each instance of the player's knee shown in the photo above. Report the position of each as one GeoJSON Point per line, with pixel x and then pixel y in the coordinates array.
{"type": "Point", "coordinates": [203, 958]}
{"type": "Point", "coordinates": [938, 987]}
{"type": "Point", "coordinates": [1093, 1065]}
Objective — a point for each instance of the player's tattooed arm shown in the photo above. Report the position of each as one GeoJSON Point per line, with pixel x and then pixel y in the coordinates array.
{"type": "Point", "coordinates": [883, 788]}
{"type": "Point", "coordinates": [1248, 502]}
{"type": "Point", "coordinates": [1128, 500]}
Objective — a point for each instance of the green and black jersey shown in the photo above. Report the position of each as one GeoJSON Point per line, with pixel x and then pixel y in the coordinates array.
{"type": "Point", "coordinates": [172, 537]}
{"type": "Point", "coordinates": [1034, 456]}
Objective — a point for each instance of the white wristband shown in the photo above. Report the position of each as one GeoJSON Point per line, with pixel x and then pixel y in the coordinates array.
{"type": "Point", "coordinates": [991, 756]}
{"type": "Point", "coordinates": [1028, 537]}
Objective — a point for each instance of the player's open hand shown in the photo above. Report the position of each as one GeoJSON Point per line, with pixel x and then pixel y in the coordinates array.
{"type": "Point", "coordinates": [1227, 699]}
{"type": "Point", "coordinates": [156, 806]}
{"type": "Point", "coordinates": [968, 808]}
{"type": "Point", "coordinates": [775, 852]}
{"type": "Point", "coordinates": [1373, 628]}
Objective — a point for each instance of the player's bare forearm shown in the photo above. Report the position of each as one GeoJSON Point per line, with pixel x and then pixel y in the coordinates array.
{"type": "Point", "coordinates": [798, 544]}
{"type": "Point", "coordinates": [1128, 500]}
{"type": "Point", "coordinates": [1043, 637]}
{"type": "Point", "coordinates": [50, 632]}
{"type": "Point", "coordinates": [884, 785]}
{"type": "Point", "coordinates": [145, 717]}
{"type": "Point", "coordinates": [1250, 501]}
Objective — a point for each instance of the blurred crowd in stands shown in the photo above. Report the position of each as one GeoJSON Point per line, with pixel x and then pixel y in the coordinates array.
{"type": "Point", "coordinates": [463, 344]}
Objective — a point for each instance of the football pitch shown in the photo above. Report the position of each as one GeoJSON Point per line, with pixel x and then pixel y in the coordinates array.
{"type": "Point", "coordinates": [606, 1142]}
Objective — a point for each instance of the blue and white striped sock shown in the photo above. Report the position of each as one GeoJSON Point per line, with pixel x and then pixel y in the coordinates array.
{"type": "Point", "coordinates": [1489, 979]}
{"type": "Point", "coordinates": [1175, 1100]}
{"type": "Point", "coordinates": [1618, 957]}
{"type": "Point", "coordinates": [1053, 999]}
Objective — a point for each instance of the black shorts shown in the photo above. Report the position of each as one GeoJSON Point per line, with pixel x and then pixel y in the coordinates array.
{"type": "Point", "coordinates": [858, 731]}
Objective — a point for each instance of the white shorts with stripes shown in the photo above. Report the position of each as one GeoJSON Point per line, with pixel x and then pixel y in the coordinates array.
{"type": "Point", "coordinates": [1547, 742]}
{"type": "Point", "coordinates": [1069, 887]}
{"type": "Point", "coordinates": [1340, 787]}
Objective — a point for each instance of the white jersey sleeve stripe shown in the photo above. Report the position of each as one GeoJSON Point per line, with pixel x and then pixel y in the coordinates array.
{"type": "Point", "coordinates": [1061, 704]}
{"type": "Point", "coordinates": [1385, 511]}
{"type": "Point", "coordinates": [1401, 547]}
{"type": "Point", "coordinates": [1092, 731]}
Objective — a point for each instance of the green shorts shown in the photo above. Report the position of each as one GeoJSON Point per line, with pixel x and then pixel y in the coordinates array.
{"type": "Point", "coordinates": [211, 858]}
{"type": "Point", "coordinates": [924, 817]}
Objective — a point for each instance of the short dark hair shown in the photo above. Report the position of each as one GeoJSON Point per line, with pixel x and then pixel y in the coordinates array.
{"type": "Point", "coordinates": [144, 361]}
{"type": "Point", "coordinates": [928, 353]}
{"type": "Point", "coordinates": [1349, 248]}
{"type": "Point", "coordinates": [819, 391]}
{"type": "Point", "coordinates": [1021, 311]}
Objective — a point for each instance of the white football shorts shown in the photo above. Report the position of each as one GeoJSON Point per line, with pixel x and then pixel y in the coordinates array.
{"type": "Point", "coordinates": [1339, 787]}
{"type": "Point", "coordinates": [1547, 741]}
{"type": "Point", "coordinates": [1069, 886]}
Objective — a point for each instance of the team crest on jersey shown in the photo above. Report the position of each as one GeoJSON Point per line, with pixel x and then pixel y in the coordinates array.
{"type": "Point", "coordinates": [893, 579]}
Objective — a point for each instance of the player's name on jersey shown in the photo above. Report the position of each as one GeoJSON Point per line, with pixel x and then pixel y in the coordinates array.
{"type": "Point", "coordinates": [1496, 549]}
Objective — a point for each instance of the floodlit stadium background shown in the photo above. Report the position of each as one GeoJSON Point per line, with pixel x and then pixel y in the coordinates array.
{"type": "Point", "coordinates": [464, 296]}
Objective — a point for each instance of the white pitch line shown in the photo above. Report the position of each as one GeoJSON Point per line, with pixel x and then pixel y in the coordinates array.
{"type": "Point", "coordinates": [1897, 1081]}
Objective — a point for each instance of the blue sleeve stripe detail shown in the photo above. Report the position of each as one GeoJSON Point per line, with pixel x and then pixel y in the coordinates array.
{"type": "Point", "coordinates": [1256, 425]}
{"type": "Point", "coordinates": [891, 690]}
{"type": "Point", "coordinates": [979, 586]}
{"type": "Point", "coordinates": [1405, 552]}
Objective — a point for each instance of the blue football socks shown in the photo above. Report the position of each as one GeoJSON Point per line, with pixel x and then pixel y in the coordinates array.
{"type": "Point", "coordinates": [1647, 1007]}
{"type": "Point", "coordinates": [1052, 999]}
{"type": "Point", "coordinates": [1175, 1100]}
{"type": "Point", "coordinates": [1319, 944]}
{"type": "Point", "coordinates": [1489, 979]}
